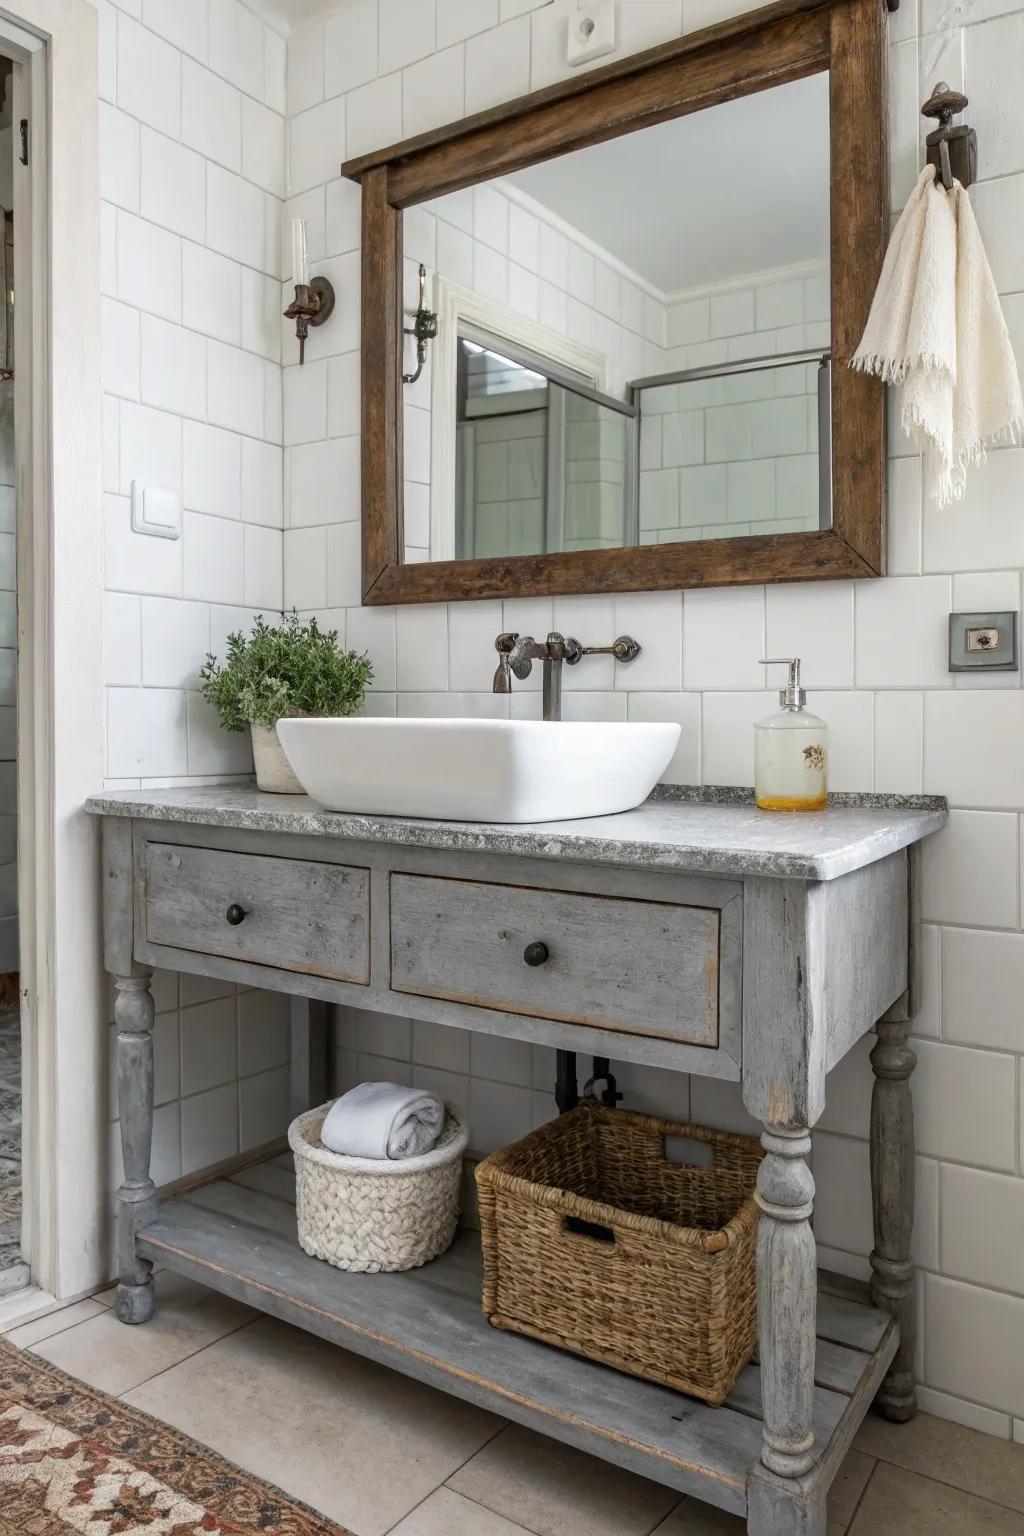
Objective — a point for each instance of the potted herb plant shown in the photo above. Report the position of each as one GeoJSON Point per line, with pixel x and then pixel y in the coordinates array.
{"type": "Point", "coordinates": [277, 671]}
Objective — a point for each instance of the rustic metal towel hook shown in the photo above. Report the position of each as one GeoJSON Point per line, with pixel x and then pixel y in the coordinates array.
{"type": "Point", "coordinates": [952, 150]}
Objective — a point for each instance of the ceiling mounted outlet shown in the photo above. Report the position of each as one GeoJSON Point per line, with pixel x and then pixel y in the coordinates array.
{"type": "Point", "coordinates": [591, 33]}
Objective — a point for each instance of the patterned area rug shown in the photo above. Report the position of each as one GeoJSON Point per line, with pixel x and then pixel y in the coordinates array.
{"type": "Point", "coordinates": [73, 1460]}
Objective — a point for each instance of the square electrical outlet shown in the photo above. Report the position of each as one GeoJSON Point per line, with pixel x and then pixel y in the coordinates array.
{"type": "Point", "coordinates": [591, 32]}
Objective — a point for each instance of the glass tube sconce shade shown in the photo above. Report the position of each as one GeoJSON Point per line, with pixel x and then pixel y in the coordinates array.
{"type": "Point", "coordinates": [314, 297]}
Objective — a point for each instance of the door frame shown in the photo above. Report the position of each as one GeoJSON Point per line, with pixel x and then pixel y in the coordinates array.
{"type": "Point", "coordinates": [58, 426]}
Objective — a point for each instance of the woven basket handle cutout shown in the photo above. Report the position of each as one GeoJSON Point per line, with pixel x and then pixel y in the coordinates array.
{"type": "Point", "coordinates": [687, 1152]}
{"type": "Point", "coordinates": [593, 1231]}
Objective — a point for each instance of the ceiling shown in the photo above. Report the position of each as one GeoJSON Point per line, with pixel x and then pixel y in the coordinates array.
{"type": "Point", "coordinates": [703, 199]}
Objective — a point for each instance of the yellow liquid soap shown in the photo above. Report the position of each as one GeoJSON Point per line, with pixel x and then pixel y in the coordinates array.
{"type": "Point", "coordinates": [791, 803]}
{"type": "Point", "coordinates": [791, 762]}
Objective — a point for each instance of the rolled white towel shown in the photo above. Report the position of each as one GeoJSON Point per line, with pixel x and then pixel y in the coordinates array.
{"type": "Point", "coordinates": [383, 1120]}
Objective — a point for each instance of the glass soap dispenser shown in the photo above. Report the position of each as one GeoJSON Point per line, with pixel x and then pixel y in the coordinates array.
{"type": "Point", "coordinates": [791, 750]}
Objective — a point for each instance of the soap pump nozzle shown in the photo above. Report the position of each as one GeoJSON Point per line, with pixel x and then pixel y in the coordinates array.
{"type": "Point", "coordinates": [793, 696]}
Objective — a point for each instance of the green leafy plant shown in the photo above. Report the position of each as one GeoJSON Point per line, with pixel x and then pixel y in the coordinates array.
{"type": "Point", "coordinates": [280, 670]}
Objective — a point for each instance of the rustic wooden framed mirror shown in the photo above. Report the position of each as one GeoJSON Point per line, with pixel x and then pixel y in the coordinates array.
{"type": "Point", "coordinates": [648, 282]}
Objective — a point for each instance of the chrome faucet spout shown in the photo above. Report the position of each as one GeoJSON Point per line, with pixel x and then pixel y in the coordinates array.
{"type": "Point", "coordinates": [517, 653]}
{"type": "Point", "coordinates": [503, 676]}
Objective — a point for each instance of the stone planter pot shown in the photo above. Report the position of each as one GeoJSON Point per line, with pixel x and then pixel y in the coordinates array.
{"type": "Point", "coordinates": [273, 771]}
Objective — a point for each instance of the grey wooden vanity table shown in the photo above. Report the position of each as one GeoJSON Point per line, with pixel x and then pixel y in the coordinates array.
{"type": "Point", "coordinates": [693, 933]}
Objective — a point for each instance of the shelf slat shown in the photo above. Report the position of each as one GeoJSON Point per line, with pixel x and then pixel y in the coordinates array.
{"type": "Point", "coordinates": [238, 1236]}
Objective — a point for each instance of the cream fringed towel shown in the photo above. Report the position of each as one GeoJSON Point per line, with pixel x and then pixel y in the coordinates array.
{"type": "Point", "coordinates": [937, 329]}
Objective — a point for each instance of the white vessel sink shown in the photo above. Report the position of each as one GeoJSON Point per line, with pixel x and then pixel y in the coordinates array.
{"type": "Point", "coordinates": [478, 770]}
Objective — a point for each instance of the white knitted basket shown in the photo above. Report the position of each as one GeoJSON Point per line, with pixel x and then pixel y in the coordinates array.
{"type": "Point", "coordinates": [374, 1215]}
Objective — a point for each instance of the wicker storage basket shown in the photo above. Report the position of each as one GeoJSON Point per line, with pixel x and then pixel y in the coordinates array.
{"type": "Point", "coordinates": [596, 1242]}
{"type": "Point", "coordinates": [363, 1214]}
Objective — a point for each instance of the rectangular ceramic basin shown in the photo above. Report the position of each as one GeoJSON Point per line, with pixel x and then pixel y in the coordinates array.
{"type": "Point", "coordinates": [478, 770]}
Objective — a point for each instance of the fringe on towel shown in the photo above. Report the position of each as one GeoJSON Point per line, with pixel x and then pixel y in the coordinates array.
{"type": "Point", "coordinates": [935, 315]}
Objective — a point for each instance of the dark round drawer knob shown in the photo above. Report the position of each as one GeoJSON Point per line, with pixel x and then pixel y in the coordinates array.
{"type": "Point", "coordinates": [536, 953]}
{"type": "Point", "coordinates": [235, 914]}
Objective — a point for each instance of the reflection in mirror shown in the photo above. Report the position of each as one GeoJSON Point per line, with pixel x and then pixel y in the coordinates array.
{"type": "Point", "coordinates": [633, 341]}
{"type": "Point", "coordinates": [734, 450]}
{"type": "Point", "coordinates": [542, 464]}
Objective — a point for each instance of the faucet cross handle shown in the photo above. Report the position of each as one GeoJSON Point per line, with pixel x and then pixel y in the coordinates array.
{"type": "Point", "coordinates": [520, 657]}
{"type": "Point", "coordinates": [625, 648]}
{"type": "Point", "coordinates": [515, 654]}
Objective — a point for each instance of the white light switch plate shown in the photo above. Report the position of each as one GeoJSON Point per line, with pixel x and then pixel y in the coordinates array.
{"type": "Point", "coordinates": [591, 32]}
{"type": "Point", "coordinates": [156, 510]}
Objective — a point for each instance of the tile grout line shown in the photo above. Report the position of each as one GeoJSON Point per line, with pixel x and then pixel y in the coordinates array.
{"type": "Point", "coordinates": [121, 1396]}
{"type": "Point", "coordinates": [936, 1477]}
{"type": "Point", "coordinates": [863, 1494]}
{"type": "Point", "coordinates": [444, 1483]}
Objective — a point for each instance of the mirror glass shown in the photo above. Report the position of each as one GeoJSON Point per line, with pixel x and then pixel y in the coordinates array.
{"type": "Point", "coordinates": [633, 341]}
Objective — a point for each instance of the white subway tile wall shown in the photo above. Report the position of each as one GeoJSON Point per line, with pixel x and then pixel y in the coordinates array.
{"type": "Point", "coordinates": [193, 153]}
{"type": "Point", "coordinates": [177, 259]}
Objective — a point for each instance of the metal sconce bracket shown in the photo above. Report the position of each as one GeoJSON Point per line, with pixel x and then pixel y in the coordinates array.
{"type": "Point", "coordinates": [424, 328]}
{"type": "Point", "coordinates": [312, 305]}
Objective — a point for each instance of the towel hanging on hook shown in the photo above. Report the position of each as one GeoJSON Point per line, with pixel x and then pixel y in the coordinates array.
{"type": "Point", "coordinates": [952, 151]}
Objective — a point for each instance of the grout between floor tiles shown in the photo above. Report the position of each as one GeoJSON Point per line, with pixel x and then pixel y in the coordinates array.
{"type": "Point", "coordinates": [444, 1482]}
{"type": "Point", "coordinates": [250, 1323]}
{"type": "Point", "coordinates": [863, 1495]}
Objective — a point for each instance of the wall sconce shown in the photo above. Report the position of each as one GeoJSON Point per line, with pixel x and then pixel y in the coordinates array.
{"type": "Point", "coordinates": [314, 300]}
{"type": "Point", "coordinates": [424, 328]}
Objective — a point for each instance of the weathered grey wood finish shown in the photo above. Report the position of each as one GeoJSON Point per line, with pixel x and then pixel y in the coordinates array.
{"type": "Point", "coordinates": [718, 895]}
{"type": "Point", "coordinates": [137, 1198]}
{"type": "Point", "coordinates": [308, 1021]}
{"type": "Point", "coordinates": [892, 1188]}
{"type": "Point", "coordinates": [307, 915]}
{"type": "Point", "coordinates": [238, 1236]}
{"type": "Point", "coordinates": [790, 971]}
{"type": "Point", "coordinates": [642, 966]}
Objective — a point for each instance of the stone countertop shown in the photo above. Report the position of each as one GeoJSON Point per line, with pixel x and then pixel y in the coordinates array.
{"type": "Point", "coordinates": [710, 831]}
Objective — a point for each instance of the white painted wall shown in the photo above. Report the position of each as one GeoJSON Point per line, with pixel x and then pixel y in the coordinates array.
{"type": "Point", "coordinates": [874, 652]}
{"type": "Point", "coordinates": [8, 680]}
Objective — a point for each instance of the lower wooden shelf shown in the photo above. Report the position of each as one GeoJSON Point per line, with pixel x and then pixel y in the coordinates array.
{"type": "Point", "coordinates": [238, 1236]}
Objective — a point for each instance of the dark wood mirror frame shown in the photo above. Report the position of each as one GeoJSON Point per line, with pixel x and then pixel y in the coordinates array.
{"type": "Point", "coordinates": [779, 43]}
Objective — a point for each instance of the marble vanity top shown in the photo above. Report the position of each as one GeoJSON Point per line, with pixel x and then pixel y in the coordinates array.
{"type": "Point", "coordinates": [716, 831]}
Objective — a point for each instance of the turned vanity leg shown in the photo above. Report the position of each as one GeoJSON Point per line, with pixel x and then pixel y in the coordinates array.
{"type": "Point", "coordinates": [892, 1188]}
{"type": "Point", "coordinates": [787, 1295]}
{"type": "Point", "coordinates": [787, 1300]}
{"type": "Point", "coordinates": [137, 1198]}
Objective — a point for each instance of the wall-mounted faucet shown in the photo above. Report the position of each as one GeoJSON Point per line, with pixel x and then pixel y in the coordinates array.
{"type": "Point", "coordinates": [517, 654]}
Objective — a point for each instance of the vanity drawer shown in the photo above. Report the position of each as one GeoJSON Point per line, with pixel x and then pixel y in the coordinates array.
{"type": "Point", "coordinates": [646, 967]}
{"type": "Point", "coordinates": [295, 914]}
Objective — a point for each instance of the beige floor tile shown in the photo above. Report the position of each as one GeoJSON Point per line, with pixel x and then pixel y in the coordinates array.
{"type": "Point", "coordinates": [30, 1334]}
{"type": "Point", "coordinates": [951, 1453]}
{"type": "Point", "coordinates": [900, 1503]}
{"type": "Point", "coordinates": [447, 1513]}
{"type": "Point", "coordinates": [359, 1442]}
{"type": "Point", "coordinates": [557, 1491]}
{"type": "Point", "coordinates": [845, 1493]}
{"type": "Point", "coordinates": [692, 1518]}
{"type": "Point", "coordinates": [114, 1357]}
